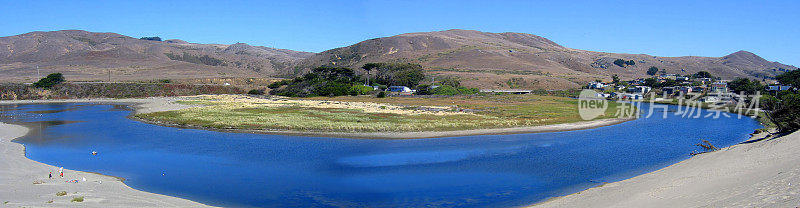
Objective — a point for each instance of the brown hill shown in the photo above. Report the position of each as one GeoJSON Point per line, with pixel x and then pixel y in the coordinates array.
{"type": "Point", "coordinates": [517, 60]}
{"type": "Point", "coordinates": [481, 59]}
{"type": "Point", "coordinates": [83, 55]}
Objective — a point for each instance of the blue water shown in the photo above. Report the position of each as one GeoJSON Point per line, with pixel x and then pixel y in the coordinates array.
{"type": "Point", "coordinates": [234, 169]}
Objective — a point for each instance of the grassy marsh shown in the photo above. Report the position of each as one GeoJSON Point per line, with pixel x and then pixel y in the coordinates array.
{"type": "Point", "coordinates": [369, 114]}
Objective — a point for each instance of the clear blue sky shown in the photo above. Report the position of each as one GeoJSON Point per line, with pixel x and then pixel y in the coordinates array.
{"type": "Point", "coordinates": [770, 29]}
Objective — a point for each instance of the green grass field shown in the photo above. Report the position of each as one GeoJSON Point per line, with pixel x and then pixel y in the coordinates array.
{"type": "Point", "coordinates": [369, 114]}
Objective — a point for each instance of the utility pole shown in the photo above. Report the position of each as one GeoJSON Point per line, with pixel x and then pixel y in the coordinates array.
{"type": "Point", "coordinates": [38, 76]}
{"type": "Point", "coordinates": [109, 75]}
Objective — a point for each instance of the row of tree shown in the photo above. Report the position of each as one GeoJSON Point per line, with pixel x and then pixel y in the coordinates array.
{"type": "Point", "coordinates": [783, 108]}
{"type": "Point", "coordinates": [337, 81]}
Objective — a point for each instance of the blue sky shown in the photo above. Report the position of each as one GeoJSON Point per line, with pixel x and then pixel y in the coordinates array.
{"type": "Point", "coordinates": [770, 29]}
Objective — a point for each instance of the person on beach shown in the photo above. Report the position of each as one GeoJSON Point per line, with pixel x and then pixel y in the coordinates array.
{"type": "Point", "coordinates": [51, 175]}
{"type": "Point", "coordinates": [61, 171]}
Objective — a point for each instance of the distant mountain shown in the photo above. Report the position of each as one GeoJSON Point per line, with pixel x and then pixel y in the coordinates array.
{"type": "Point", "coordinates": [518, 60]}
{"type": "Point", "coordinates": [480, 59]}
{"type": "Point", "coordinates": [83, 55]}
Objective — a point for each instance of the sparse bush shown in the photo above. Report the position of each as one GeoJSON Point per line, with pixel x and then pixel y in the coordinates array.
{"type": "Point", "coordinates": [165, 81]}
{"type": "Point", "coordinates": [77, 199]}
{"type": "Point", "coordinates": [155, 38]}
{"type": "Point", "coordinates": [274, 85]}
{"type": "Point", "coordinates": [382, 94]}
{"type": "Point", "coordinates": [255, 92]}
{"type": "Point", "coordinates": [707, 146]}
{"type": "Point", "coordinates": [61, 193]}
{"type": "Point", "coordinates": [623, 63]}
{"type": "Point", "coordinates": [619, 62]}
{"type": "Point", "coordinates": [652, 71]}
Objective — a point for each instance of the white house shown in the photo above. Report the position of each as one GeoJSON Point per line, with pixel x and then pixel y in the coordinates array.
{"type": "Point", "coordinates": [399, 89]}
{"type": "Point", "coordinates": [639, 89]}
{"type": "Point", "coordinates": [597, 85]}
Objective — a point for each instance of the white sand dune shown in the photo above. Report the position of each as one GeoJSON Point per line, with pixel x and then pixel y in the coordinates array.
{"type": "Point", "coordinates": [759, 174]}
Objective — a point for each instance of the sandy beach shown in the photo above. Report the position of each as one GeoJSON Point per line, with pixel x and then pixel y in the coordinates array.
{"type": "Point", "coordinates": [765, 173]}
{"type": "Point", "coordinates": [25, 183]}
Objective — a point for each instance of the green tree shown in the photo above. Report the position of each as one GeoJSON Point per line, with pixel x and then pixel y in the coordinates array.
{"type": "Point", "coordinates": [406, 74]}
{"type": "Point", "coordinates": [745, 85]}
{"type": "Point", "coordinates": [450, 81]}
{"type": "Point", "coordinates": [368, 67]}
{"type": "Point", "coordinates": [615, 79]}
{"type": "Point", "coordinates": [790, 78]}
{"type": "Point", "coordinates": [652, 71]}
{"type": "Point", "coordinates": [783, 111]}
{"type": "Point", "coordinates": [702, 74]}
{"type": "Point", "coordinates": [50, 81]}
{"type": "Point", "coordinates": [620, 63]}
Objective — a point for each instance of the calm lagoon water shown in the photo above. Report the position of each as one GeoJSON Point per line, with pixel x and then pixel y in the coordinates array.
{"type": "Point", "coordinates": [240, 170]}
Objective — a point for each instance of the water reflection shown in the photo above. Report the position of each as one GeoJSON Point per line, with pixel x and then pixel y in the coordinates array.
{"type": "Point", "coordinates": [232, 169]}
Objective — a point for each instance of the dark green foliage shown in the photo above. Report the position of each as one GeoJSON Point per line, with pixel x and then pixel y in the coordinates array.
{"type": "Point", "coordinates": [450, 81]}
{"type": "Point", "coordinates": [255, 92]}
{"type": "Point", "coordinates": [321, 81]}
{"type": "Point", "coordinates": [652, 71]}
{"type": "Point", "coordinates": [400, 74]}
{"type": "Point", "coordinates": [424, 89]}
{"type": "Point", "coordinates": [619, 62]}
{"type": "Point", "coordinates": [370, 66]}
{"type": "Point", "coordinates": [165, 81]}
{"type": "Point", "coordinates": [156, 38]}
{"type": "Point", "coordinates": [50, 81]}
{"type": "Point", "coordinates": [702, 74]}
{"type": "Point", "coordinates": [651, 82]}
{"type": "Point", "coordinates": [278, 84]}
{"type": "Point", "coordinates": [409, 77]}
{"type": "Point", "coordinates": [783, 110]}
{"type": "Point", "coordinates": [615, 79]}
{"type": "Point", "coordinates": [382, 94]}
{"type": "Point", "coordinates": [745, 85]}
{"type": "Point", "coordinates": [790, 78]}
{"type": "Point", "coordinates": [623, 63]}
{"type": "Point", "coordinates": [205, 59]}
{"type": "Point", "coordinates": [274, 85]}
